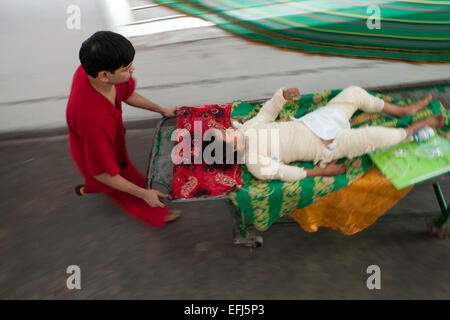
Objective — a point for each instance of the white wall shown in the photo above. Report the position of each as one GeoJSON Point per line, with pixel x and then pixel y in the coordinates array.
{"type": "Point", "coordinates": [39, 55]}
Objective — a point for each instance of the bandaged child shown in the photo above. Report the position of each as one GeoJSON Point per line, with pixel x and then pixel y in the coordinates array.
{"type": "Point", "coordinates": [322, 136]}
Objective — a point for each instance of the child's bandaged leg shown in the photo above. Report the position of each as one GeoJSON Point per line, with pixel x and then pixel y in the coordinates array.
{"type": "Point", "coordinates": [356, 142]}
{"type": "Point", "coordinates": [354, 98]}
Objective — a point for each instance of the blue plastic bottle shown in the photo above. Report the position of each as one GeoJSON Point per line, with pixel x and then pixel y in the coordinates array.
{"type": "Point", "coordinates": [424, 134]}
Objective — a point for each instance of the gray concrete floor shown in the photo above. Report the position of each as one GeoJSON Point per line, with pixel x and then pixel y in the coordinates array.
{"type": "Point", "coordinates": [44, 228]}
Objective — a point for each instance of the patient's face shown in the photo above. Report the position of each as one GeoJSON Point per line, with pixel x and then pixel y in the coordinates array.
{"type": "Point", "coordinates": [233, 136]}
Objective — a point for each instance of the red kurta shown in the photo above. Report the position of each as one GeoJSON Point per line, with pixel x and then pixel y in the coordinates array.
{"type": "Point", "coordinates": [97, 144]}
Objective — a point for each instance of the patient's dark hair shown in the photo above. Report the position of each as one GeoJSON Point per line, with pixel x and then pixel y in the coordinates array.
{"type": "Point", "coordinates": [224, 146]}
{"type": "Point", "coordinates": [105, 51]}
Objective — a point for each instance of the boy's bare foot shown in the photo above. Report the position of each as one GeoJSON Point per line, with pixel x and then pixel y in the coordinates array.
{"type": "Point", "coordinates": [79, 190]}
{"type": "Point", "coordinates": [173, 215]}
{"type": "Point", "coordinates": [415, 107]}
{"type": "Point", "coordinates": [436, 121]}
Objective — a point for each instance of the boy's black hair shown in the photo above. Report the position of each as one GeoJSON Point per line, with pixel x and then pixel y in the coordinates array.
{"type": "Point", "coordinates": [224, 153]}
{"type": "Point", "coordinates": [105, 51]}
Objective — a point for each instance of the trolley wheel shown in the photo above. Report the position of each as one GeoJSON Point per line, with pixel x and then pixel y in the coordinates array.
{"type": "Point", "coordinates": [434, 230]}
{"type": "Point", "coordinates": [250, 240]}
{"type": "Point", "coordinates": [258, 241]}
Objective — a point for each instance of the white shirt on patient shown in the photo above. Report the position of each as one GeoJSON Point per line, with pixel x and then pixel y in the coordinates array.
{"type": "Point", "coordinates": [325, 122]}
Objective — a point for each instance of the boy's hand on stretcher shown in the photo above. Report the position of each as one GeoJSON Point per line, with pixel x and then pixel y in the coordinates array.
{"type": "Point", "coordinates": [152, 198]}
{"type": "Point", "coordinates": [169, 112]}
{"type": "Point", "coordinates": [120, 183]}
{"type": "Point", "coordinates": [291, 94]}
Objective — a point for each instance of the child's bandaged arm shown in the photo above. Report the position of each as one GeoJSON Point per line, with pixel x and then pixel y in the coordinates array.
{"type": "Point", "coordinates": [265, 168]}
{"type": "Point", "coordinates": [270, 110]}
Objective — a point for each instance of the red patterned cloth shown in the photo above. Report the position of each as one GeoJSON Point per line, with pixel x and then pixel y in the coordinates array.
{"type": "Point", "coordinates": [202, 180]}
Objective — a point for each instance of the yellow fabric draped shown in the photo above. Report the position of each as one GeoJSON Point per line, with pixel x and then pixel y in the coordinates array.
{"type": "Point", "coordinates": [352, 208]}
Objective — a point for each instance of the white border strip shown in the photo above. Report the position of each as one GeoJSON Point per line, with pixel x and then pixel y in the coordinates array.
{"type": "Point", "coordinates": [118, 12]}
{"type": "Point", "coordinates": [160, 26]}
{"type": "Point", "coordinates": [120, 19]}
{"type": "Point", "coordinates": [431, 175]}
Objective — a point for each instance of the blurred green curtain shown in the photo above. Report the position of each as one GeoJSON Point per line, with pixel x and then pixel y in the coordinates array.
{"type": "Point", "coordinates": [414, 31]}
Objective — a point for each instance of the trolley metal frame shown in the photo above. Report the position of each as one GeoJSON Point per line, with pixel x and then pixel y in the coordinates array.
{"type": "Point", "coordinates": [244, 232]}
